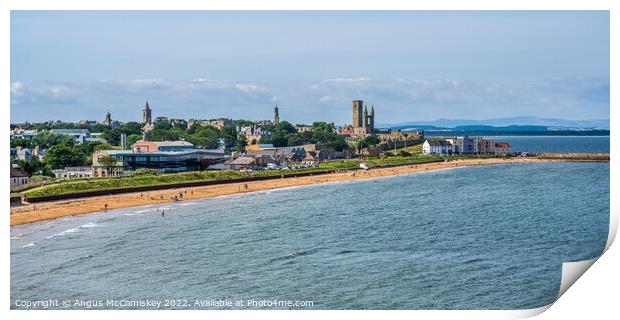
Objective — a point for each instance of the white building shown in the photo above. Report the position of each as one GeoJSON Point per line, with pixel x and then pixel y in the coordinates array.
{"type": "Point", "coordinates": [503, 148]}
{"type": "Point", "coordinates": [437, 147]}
{"type": "Point", "coordinates": [303, 128]}
{"type": "Point", "coordinates": [79, 135]}
{"type": "Point", "coordinates": [73, 172]}
{"type": "Point", "coordinates": [24, 154]}
{"type": "Point", "coordinates": [18, 177]}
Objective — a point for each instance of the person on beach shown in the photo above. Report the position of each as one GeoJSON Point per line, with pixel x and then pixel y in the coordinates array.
{"type": "Point", "coordinates": [162, 212]}
{"type": "Point", "coordinates": [105, 207]}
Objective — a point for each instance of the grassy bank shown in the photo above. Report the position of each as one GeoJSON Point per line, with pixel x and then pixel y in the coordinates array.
{"type": "Point", "coordinates": [95, 184]}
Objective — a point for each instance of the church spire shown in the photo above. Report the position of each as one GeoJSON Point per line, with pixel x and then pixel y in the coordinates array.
{"type": "Point", "coordinates": [146, 113]}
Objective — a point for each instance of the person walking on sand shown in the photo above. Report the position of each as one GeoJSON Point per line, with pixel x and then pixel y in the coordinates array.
{"type": "Point", "coordinates": [105, 207]}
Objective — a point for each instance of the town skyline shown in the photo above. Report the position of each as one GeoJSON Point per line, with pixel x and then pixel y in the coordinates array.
{"type": "Point", "coordinates": [474, 65]}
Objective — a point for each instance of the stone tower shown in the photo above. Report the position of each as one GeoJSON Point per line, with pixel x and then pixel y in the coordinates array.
{"type": "Point", "coordinates": [146, 114]}
{"type": "Point", "coordinates": [108, 119]}
{"type": "Point", "coordinates": [358, 118]}
{"type": "Point", "coordinates": [365, 118]}
{"type": "Point", "coordinates": [371, 120]}
{"type": "Point", "coordinates": [276, 115]}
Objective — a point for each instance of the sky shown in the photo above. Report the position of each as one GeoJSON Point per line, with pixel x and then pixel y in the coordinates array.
{"type": "Point", "coordinates": [410, 65]}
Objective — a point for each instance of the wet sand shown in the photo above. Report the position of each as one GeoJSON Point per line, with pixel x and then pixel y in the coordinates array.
{"type": "Point", "coordinates": [56, 209]}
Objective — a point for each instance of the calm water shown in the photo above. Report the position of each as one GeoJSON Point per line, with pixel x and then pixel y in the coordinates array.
{"type": "Point", "coordinates": [557, 144]}
{"type": "Point", "coordinates": [490, 237]}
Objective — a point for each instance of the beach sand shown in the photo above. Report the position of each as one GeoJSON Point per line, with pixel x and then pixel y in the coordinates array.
{"type": "Point", "coordinates": [50, 210]}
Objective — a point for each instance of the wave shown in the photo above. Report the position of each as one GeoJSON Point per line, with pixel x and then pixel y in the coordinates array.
{"type": "Point", "coordinates": [186, 203]}
{"type": "Point", "coordinates": [296, 254]}
{"type": "Point", "coordinates": [31, 244]}
{"type": "Point", "coordinates": [66, 232]}
{"type": "Point", "coordinates": [345, 252]}
{"type": "Point", "coordinates": [143, 211]}
{"type": "Point", "coordinates": [91, 225]}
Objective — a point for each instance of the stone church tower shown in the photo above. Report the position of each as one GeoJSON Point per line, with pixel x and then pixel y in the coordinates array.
{"type": "Point", "coordinates": [363, 122]}
{"type": "Point", "coordinates": [357, 113]}
{"type": "Point", "coordinates": [276, 115]}
{"type": "Point", "coordinates": [146, 114]}
{"type": "Point", "coordinates": [108, 120]}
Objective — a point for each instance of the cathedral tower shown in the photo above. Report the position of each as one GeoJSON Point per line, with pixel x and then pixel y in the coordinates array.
{"type": "Point", "coordinates": [358, 119]}
{"type": "Point", "coordinates": [146, 114]}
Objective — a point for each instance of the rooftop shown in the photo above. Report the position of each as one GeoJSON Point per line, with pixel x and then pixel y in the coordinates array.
{"type": "Point", "coordinates": [439, 143]}
{"type": "Point", "coordinates": [178, 143]}
{"type": "Point", "coordinates": [242, 161]}
{"type": "Point", "coordinates": [17, 172]}
{"type": "Point", "coordinates": [70, 131]}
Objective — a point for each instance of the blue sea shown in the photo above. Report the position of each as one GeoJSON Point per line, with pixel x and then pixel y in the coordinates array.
{"type": "Point", "coordinates": [551, 144]}
{"type": "Point", "coordinates": [487, 237]}
{"type": "Point", "coordinates": [557, 144]}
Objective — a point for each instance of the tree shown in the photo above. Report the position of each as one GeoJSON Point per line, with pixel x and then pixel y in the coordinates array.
{"type": "Point", "coordinates": [279, 140]}
{"type": "Point", "coordinates": [112, 136]}
{"type": "Point", "coordinates": [21, 142]}
{"type": "Point", "coordinates": [162, 124]}
{"type": "Point", "coordinates": [108, 162]}
{"type": "Point", "coordinates": [242, 142]}
{"type": "Point", "coordinates": [243, 123]}
{"type": "Point", "coordinates": [32, 166]}
{"type": "Point", "coordinates": [339, 144]}
{"type": "Point", "coordinates": [87, 149]}
{"type": "Point", "coordinates": [179, 124]}
{"type": "Point", "coordinates": [133, 138]}
{"type": "Point", "coordinates": [370, 141]}
{"type": "Point", "coordinates": [132, 127]}
{"type": "Point", "coordinates": [61, 156]}
{"type": "Point", "coordinates": [285, 126]}
{"type": "Point", "coordinates": [322, 126]}
{"type": "Point", "coordinates": [46, 140]}
{"type": "Point", "coordinates": [164, 135]}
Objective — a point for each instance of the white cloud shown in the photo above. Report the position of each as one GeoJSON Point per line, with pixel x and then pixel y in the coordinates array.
{"type": "Point", "coordinates": [395, 100]}
{"type": "Point", "coordinates": [248, 87]}
{"type": "Point", "coordinates": [17, 88]}
{"type": "Point", "coordinates": [347, 80]}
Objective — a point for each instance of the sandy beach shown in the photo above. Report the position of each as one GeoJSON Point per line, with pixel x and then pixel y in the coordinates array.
{"type": "Point", "coordinates": [50, 210]}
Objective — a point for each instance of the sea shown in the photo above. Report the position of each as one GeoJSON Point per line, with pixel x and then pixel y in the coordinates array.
{"type": "Point", "coordinates": [556, 144]}
{"type": "Point", "coordinates": [486, 237]}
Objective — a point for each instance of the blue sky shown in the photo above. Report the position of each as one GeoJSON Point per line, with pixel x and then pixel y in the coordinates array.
{"type": "Point", "coordinates": [414, 65]}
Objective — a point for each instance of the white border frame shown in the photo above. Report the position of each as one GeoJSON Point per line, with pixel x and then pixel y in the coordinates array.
{"type": "Point", "coordinates": [587, 298]}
